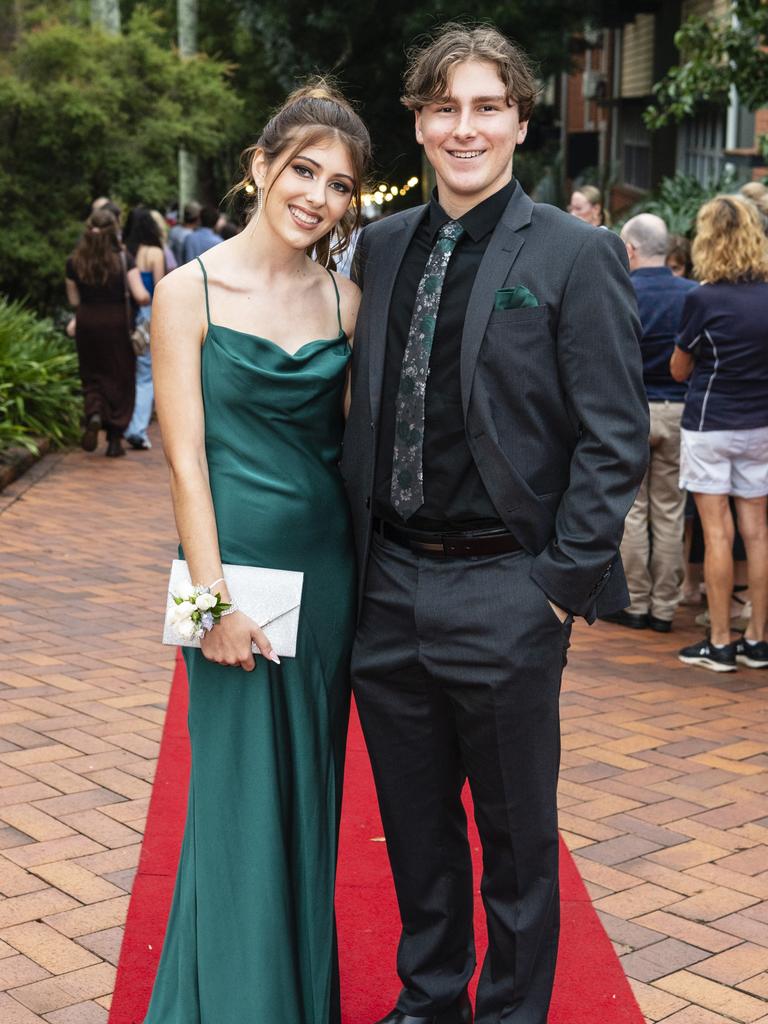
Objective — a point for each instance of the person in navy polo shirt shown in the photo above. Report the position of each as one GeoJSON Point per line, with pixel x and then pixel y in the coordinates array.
{"type": "Point", "coordinates": [723, 348]}
{"type": "Point", "coordinates": [652, 548]}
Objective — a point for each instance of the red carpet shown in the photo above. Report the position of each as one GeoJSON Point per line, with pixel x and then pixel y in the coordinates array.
{"type": "Point", "coordinates": [590, 985]}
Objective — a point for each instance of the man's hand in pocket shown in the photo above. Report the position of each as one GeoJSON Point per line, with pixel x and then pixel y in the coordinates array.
{"type": "Point", "coordinates": [559, 612]}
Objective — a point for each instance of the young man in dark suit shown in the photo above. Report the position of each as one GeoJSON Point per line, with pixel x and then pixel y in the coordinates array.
{"type": "Point", "coordinates": [497, 435]}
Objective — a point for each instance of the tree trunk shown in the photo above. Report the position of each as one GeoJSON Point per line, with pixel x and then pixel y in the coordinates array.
{"type": "Point", "coordinates": [11, 24]}
{"type": "Point", "coordinates": [187, 18]}
{"type": "Point", "coordinates": [187, 22]}
{"type": "Point", "coordinates": [105, 14]}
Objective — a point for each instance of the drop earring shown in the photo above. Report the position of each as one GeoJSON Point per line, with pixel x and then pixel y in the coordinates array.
{"type": "Point", "coordinates": [259, 203]}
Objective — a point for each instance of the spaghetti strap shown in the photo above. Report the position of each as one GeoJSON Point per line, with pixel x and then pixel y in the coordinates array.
{"type": "Point", "coordinates": [205, 285]}
{"type": "Point", "coordinates": [338, 299]}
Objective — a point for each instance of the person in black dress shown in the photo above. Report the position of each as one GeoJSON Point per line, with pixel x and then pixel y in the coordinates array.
{"type": "Point", "coordinates": [97, 275]}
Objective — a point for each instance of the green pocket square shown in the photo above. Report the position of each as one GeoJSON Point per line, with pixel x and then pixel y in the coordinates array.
{"type": "Point", "coordinates": [514, 298]}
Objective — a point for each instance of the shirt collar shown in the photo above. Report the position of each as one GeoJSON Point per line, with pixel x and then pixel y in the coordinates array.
{"type": "Point", "coordinates": [477, 222]}
{"type": "Point", "coordinates": [652, 272]}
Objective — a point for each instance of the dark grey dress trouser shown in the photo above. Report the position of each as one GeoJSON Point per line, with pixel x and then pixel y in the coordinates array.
{"type": "Point", "coordinates": [456, 672]}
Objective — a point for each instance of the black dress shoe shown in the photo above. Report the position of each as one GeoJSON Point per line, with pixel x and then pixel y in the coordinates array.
{"type": "Point", "coordinates": [629, 619]}
{"type": "Point", "coordinates": [660, 625]}
{"type": "Point", "coordinates": [114, 448]}
{"type": "Point", "coordinates": [459, 1013]}
{"type": "Point", "coordinates": [90, 438]}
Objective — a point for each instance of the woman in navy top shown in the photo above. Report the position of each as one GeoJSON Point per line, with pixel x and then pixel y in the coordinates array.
{"type": "Point", "coordinates": [722, 349]}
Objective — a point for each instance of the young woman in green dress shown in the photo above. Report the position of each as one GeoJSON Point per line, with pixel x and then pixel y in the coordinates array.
{"type": "Point", "coordinates": [251, 346]}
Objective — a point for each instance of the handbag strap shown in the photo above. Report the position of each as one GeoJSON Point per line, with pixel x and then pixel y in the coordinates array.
{"type": "Point", "coordinates": [126, 296]}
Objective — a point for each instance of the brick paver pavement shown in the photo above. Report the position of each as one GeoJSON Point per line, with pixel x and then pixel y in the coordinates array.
{"type": "Point", "coordinates": [664, 790]}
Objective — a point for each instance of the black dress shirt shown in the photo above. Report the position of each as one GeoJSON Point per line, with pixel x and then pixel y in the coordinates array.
{"type": "Point", "coordinates": [454, 495]}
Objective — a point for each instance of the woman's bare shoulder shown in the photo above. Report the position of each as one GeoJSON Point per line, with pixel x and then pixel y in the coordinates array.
{"type": "Point", "coordinates": [178, 307]}
{"type": "Point", "coordinates": [349, 296]}
{"type": "Point", "coordinates": [349, 293]}
{"type": "Point", "coordinates": [347, 289]}
{"type": "Point", "coordinates": [183, 283]}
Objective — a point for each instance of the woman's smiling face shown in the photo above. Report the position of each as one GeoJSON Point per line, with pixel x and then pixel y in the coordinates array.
{"type": "Point", "coordinates": [305, 200]}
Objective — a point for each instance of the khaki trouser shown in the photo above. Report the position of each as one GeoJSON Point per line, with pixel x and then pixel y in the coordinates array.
{"type": "Point", "coordinates": [652, 548]}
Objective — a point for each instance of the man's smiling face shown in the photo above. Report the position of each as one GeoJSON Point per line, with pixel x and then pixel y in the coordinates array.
{"type": "Point", "coordinates": [470, 135]}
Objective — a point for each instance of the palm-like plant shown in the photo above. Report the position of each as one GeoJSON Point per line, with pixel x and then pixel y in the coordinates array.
{"type": "Point", "coordinates": [39, 384]}
{"type": "Point", "coordinates": [677, 200]}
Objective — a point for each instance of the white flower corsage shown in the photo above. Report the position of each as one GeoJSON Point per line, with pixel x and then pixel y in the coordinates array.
{"type": "Point", "coordinates": [197, 611]}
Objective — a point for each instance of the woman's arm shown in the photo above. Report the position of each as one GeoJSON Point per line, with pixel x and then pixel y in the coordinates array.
{"type": "Point", "coordinates": [138, 292]}
{"type": "Point", "coordinates": [681, 365]}
{"type": "Point", "coordinates": [73, 292]}
{"type": "Point", "coordinates": [692, 324]}
{"type": "Point", "coordinates": [178, 325]}
{"type": "Point", "coordinates": [156, 261]}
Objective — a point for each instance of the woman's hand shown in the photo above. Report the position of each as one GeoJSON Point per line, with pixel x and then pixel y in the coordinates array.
{"type": "Point", "coordinates": [230, 640]}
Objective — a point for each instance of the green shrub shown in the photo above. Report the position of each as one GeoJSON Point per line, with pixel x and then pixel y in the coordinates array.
{"type": "Point", "coordinates": [39, 383]}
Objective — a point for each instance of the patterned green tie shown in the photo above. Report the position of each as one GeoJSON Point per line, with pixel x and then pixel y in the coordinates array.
{"type": "Point", "coordinates": [407, 491]}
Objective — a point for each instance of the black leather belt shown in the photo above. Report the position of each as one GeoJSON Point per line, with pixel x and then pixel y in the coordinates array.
{"type": "Point", "coordinates": [476, 542]}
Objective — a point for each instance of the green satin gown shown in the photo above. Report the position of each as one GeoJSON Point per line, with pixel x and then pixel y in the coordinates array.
{"type": "Point", "coordinates": [251, 935]}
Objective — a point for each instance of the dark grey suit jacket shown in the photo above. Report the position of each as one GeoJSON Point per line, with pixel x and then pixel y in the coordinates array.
{"type": "Point", "coordinates": [554, 405]}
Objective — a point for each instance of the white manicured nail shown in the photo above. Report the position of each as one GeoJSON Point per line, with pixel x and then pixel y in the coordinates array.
{"type": "Point", "coordinates": [273, 657]}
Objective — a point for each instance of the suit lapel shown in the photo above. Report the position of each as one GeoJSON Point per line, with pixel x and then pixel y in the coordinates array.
{"type": "Point", "coordinates": [503, 248]}
{"type": "Point", "coordinates": [392, 249]}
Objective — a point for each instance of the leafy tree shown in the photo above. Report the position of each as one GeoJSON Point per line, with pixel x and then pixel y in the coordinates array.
{"type": "Point", "coordinates": [714, 56]}
{"type": "Point", "coordinates": [365, 44]}
{"type": "Point", "coordinates": [274, 43]}
{"type": "Point", "coordinates": [83, 113]}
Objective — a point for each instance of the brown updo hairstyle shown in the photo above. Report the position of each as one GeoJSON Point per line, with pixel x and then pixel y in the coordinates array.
{"type": "Point", "coordinates": [96, 257]}
{"type": "Point", "coordinates": [315, 112]}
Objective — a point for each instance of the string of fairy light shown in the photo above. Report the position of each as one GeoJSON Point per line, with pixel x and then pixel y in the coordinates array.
{"type": "Point", "coordinates": [386, 193]}
{"type": "Point", "coordinates": [383, 194]}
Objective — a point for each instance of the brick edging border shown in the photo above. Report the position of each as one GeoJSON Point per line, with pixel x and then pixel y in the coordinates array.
{"type": "Point", "coordinates": [14, 462]}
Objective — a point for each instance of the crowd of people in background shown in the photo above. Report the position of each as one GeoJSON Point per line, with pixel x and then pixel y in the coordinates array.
{"type": "Point", "coordinates": [704, 346]}
{"type": "Point", "coordinates": [110, 280]}
{"type": "Point", "coordinates": [705, 357]}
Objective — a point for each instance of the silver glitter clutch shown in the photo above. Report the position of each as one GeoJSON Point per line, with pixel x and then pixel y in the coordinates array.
{"type": "Point", "coordinates": [271, 597]}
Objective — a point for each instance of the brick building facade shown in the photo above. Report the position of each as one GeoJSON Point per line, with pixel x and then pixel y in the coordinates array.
{"type": "Point", "coordinates": [602, 102]}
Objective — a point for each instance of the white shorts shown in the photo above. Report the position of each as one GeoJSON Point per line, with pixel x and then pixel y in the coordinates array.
{"type": "Point", "coordinates": [725, 462]}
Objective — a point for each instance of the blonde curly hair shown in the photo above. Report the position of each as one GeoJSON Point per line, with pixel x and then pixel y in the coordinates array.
{"type": "Point", "coordinates": [730, 244]}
